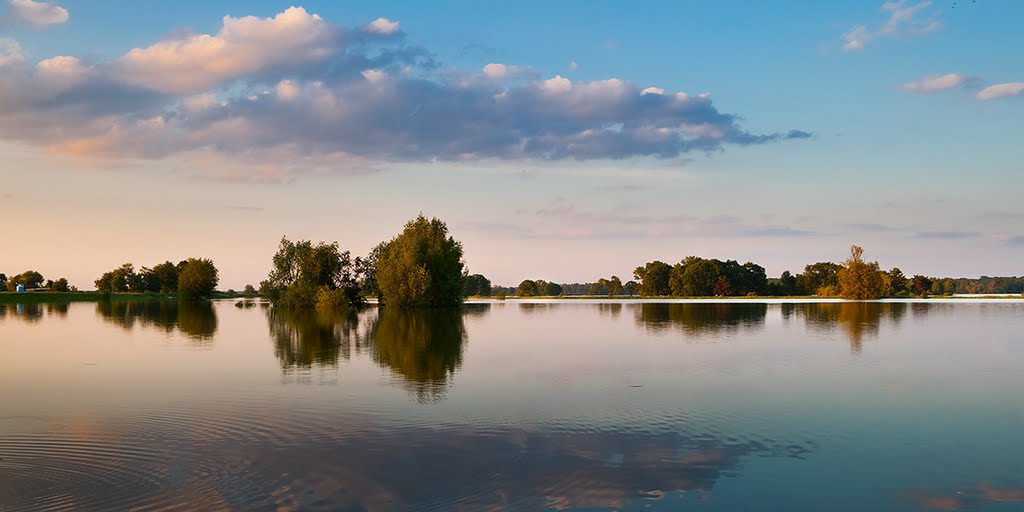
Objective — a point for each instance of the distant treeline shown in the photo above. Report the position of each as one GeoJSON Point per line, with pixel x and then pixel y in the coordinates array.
{"type": "Point", "coordinates": [700, 277]}
{"type": "Point", "coordinates": [31, 279]}
{"type": "Point", "coordinates": [194, 278]}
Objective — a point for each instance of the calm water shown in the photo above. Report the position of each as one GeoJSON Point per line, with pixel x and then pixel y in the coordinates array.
{"type": "Point", "coordinates": [514, 406]}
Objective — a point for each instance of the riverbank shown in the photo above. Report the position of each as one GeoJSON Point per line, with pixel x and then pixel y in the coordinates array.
{"type": "Point", "coordinates": [40, 297]}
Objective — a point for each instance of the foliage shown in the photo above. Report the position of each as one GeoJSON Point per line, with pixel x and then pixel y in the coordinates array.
{"type": "Point", "coordinates": [117, 280]}
{"type": "Point", "coordinates": [197, 280]}
{"type": "Point", "coordinates": [249, 290]}
{"type": "Point", "coordinates": [654, 279]}
{"type": "Point", "coordinates": [60, 285]}
{"type": "Point", "coordinates": [920, 285]}
{"type": "Point", "coordinates": [817, 276]}
{"type": "Point", "coordinates": [527, 288]}
{"type": "Point", "coordinates": [29, 278]}
{"type": "Point", "coordinates": [422, 266]}
{"type": "Point", "coordinates": [306, 276]}
{"type": "Point", "coordinates": [860, 280]}
{"type": "Point", "coordinates": [477, 285]}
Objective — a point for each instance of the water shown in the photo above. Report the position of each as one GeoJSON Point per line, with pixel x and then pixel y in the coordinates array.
{"type": "Point", "coordinates": [569, 405]}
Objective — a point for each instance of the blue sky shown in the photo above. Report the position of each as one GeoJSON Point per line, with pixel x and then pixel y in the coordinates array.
{"type": "Point", "coordinates": [559, 140]}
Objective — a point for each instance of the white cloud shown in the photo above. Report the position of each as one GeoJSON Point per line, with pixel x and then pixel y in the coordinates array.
{"type": "Point", "coordinates": [39, 14]}
{"type": "Point", "coordinates": [499, 71]}
{"type": "Point", "coordinates": [902, 19]}
{"type": "Point", "coordinates": [556, 84]}
{"type": "Point", "coordinates": [573, 66]}
{"type": "Point", "coordinates": [243, 46]}
{"type": "Point", "coordinates": [653, 90]}
{"type": "Point", "coordinates": [1001, 91]}
{"type": "Point", "coordinates": [935, 83]}
{"type": "Point", "coordinates": [382, 26]}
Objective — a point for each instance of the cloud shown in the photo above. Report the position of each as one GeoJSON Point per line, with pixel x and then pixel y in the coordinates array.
{"type": "Point", "coordinates": [1015, 241]}
{"type": "Point", "coordinates": [243, 46]}
{"type": "Point", "coordinates": [935, 83]}
{"type": "Point", "coordinates": [902, 19]}
{"type": "Point", "coordinates": [296, 92]}
{"type": "Point", "coordinates": [11, 53]}
{"type": "Point", "coordinates": [382, 26]}
{"type": "Point", "coordinates": [1001, 91]}
{"type": "Point", "coordinates": [946, 235]}
{"type": "Point", "coordinates": [498, 71]}
{"type": "Point", "coordinates": [39, 14]}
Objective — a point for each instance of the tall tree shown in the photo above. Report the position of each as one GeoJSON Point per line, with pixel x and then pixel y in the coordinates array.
{"type": "Point", "coordinates": [304, 275]}
{"type": "Point", "coordinates": [527, 288]}
{"type": "Point", "coordinates": [614, 286]}
{"type": "Point", "coordinates": [422, 266]}
{"type": "Point", "coordinates": [654, 277]}
{"type": "Point", "coordinates": [197, 280]}
{"type": "Point", "coordinates": [860, 280]}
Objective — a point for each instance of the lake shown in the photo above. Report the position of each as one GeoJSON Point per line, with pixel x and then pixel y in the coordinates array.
{"type": "Point", "coordinates": [508, 405]}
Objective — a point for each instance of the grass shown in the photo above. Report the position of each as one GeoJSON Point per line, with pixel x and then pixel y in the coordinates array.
{"type": "Point", "coordinates": [39, 297]}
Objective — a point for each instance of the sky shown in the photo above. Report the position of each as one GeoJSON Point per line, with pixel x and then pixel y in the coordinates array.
{"type": "Point", "coordinates": [563, 141]}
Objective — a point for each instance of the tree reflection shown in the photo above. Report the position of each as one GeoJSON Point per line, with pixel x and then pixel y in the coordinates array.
{"type": "Point", "coordinates": [700, 319]}
{"type": "Point", "coordinates": [197, 320]}
{"type": "Point", "coordinates": [304, 338]}
{"type": "Point", "coordinates": [859, 321]}
{"type": "Point", "coordinates": [423, 347]}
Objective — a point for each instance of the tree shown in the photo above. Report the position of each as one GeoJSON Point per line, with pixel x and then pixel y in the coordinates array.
{"type": "Point", "coordinates": [304, 275]}
{"type": "Point", "coordinates": [787, 284]}
{"type": "Point", "coordinates": [117, 280]}
{"type": "Point", "coordinates": [702, 278]}
{"type": "Point", "coordinates": [527, 288]}
{"type": "Point", "coordinates": [818, 277]}
{"type": "Point", "coordinates": [164, 278]}
{"type": "Point", "coordinates": [28, 278]}
{"type": "Point", "coordinates": [197, 280]}
{"type": "Point", "coordinates": [3, 281]}
{"type": "Point", "coordinates": [630, 288]}
{"type": "Point", "coordinates": [477, 284]}
{"type": "Point", "coordinates": [860, 280]}
{"type": "Point", "coordinates": [60, 285]}
{"type": "Point", "coordinates": [249, 290]}
{"type": "Point", "coordinates": [422, 266]}
{"type": "Point", "coordinates": [920, 285]}
{"type": "Point", "coordinates": [614, 286]}
{"type": "Point", "coordinates": [653, 277]}
{"type": "Point", "coordinates": [897, 281]}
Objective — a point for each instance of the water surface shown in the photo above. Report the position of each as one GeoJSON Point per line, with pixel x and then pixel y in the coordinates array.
{"type": "Point", "coordinates": [545, 405]}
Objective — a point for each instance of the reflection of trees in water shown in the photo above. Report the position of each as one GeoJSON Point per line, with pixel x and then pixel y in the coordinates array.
{"type": "Point", "coordinates": [535, 307]}
{"type": "Point", "coordinates": [423, 347]}
{"type": "Point", "coordinates": [306, 338]}
{"type": "Point", "coordinates": [34, 311]}
{"type": "Point", "coordinates": [610, 309]}
{"type": "Point", "coordinates": [858, 320]}
{"type": "Point", "coordinates": [700, 319]}
{"type": "Point", "coordinates": [196, 320]}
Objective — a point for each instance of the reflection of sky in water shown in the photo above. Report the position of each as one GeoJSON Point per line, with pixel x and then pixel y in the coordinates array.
{"type": "Point", "coordinates": [509, 406]}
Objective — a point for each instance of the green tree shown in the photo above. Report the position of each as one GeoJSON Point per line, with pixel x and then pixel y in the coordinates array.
{"type": "Point", "coordinates": [249, 290]}
{"type": "Point", "coordinates": [197, 280]}
{"type": "Point", "coordinates": [703, 278]}
{"type": "Point", "coordinates": [477, 284]}
{"type": "Point", "coordinates": [860, 280]}
{"type": "Point", "coordinates": [60, 285]}
{"type": "Point", "coordinates": [630, 288]}
{"type": "Point", "coordinates": [422, 266]}
{"type": "Point", "coordinates": [527, 288]}
{"type": "Point", "coordinates": [304, 275]}
{"type": "Point", "coordinates": [117, 280]}
{"type": "Point", "coordinates": [614, 286]}
{"type": "Point", "coordinates": [787, 283]}
{"type": "Point", "coordinates": [817, 277]}
{"type": "Point", "coordinates": [3, 281]}
{"type": "Point", "coordinates": [653, 277]}
{"type": "Point", "coordinates": [164, 278]}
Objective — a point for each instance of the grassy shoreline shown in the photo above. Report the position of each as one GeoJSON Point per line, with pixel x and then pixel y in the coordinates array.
{"type": "Point", "coordinates": [40, 297]}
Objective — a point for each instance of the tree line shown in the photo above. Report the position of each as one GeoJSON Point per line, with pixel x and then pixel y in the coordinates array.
{"type": "Point", "coordinates": [191, 279]}
{"type": "Point", "coordinates": [31, 279]}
